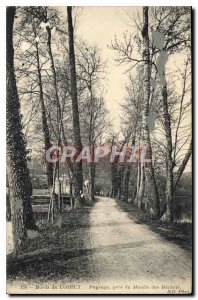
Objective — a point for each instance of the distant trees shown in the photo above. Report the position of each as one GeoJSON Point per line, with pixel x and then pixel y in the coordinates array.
{"type": "Point", "coordinates": [131, 129]}
{"type": "Point", "coordinates": [93, 114]}
{"type": "Point", "coordinates": [18, 174]}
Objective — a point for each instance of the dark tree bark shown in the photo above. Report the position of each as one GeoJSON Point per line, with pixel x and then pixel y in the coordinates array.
{"type": "Point", "coordinates": [126, 183]}
{"type": "Point", "coordinates": [59, 115]}
{"type": "Point", "coordinates": [142, 183]}
{"type": "Point", "coordinates": [18, 173]}
{"type": "Point", "coordinates": [45, 127]}
{"type": "Point", "coordinates": [135, 201]}
{"type": "Point", "coordinates": [120, 180]}
{"type": "Point", "coordinates": [92, 168]}
{"type": "Point", "coordinates": [114, 179]}
{"type": "Point", "coordinates": [128, 172]}
{"type": "Point", "coordinates": [183, 165]}
{"type": "Point", "coordinates": [76, 124]}
{"type": "Point", "coordinates": [168, 214]}
{"type": "Point", "coordinates": [92, 171]}
{"type": "Point", "coordinates": [153, 201]}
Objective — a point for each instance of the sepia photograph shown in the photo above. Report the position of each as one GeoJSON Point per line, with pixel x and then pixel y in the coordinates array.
{"type": "Point", "coordinates": [99, 197]}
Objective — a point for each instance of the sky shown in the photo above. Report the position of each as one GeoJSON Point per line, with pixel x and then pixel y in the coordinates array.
{"type": "Point", "coordinates": [99, 25]}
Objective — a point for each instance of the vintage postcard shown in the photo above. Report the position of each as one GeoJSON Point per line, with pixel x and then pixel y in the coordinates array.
{"type": "Point", "coordinates": [99, 150]}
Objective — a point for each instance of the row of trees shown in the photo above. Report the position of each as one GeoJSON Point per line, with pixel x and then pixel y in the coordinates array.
{"type": "Point", "coordinates": [157, 107]}
{"type": "Point", "coordinates": [56, 80]}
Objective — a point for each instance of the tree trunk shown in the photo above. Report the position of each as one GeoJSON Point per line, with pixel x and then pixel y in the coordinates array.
{"type": "Point", "coordinates": [168, 214]}
{"type": "Point", "coordinates": [92, 170]}
{"type": "Point", "coordinates": [18, 173]}
{"type": "Point", "coordinates": [128, 172]}
{"type": "Point", "coordinates": [183, 165]}
{"type": "Point", "coordinates": [149, 171]}
{"type": "Point", "coordinates": [120, 181]}
{"type": "Point", "coordinates": [114, 180]}
{"type": "Point", "coordinates": [8, 207]}
{"type": "Point", "coordinates": [135, 201]}
{"type": "Point", "coordinates": [126, 183]}
{"type": "Point", "coordinates": [71, 193]}
{"type": "Point", "coordinates": [59, 115]}
{"type": "Point", "coordinates": [76, 124]}
{"type": "Point", "coordinates": [142, 183]}
{"type": "Point", "coordinates": [60, 124]}
{"type": "Point", "coordinates": [45, 127]}
{"type": "Point", "coordinates": [17, 212]}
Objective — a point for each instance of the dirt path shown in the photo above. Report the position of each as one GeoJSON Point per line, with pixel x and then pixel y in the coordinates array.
{"type": "Point", "coordinates": [130, 252]}
{"type": "Point", "coordinates": [107, 252]}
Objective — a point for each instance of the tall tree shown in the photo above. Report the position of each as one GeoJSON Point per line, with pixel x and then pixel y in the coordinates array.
{"type": "Point", "coordinates": [76, 123]}
{"type": "Point", "coordinates": [93, 114]}
{"type": "Point", "coordinates": [149, 171]}
{"type": "Point", "coordinates": [171, 36]}
{"type": "Point", "coordinates": [18, 173]}
{"type": "Point", "coordinates": [46, 133]}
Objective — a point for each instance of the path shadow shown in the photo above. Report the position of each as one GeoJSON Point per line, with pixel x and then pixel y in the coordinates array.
{"type": "Point", "coordinates": [63, 263]}
{"type": "Point", "coordinates": [178, 233]}
{"type": "Point", "coordinates": [56, 252]}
